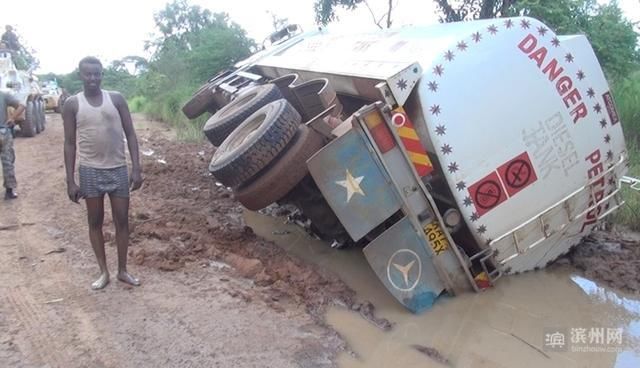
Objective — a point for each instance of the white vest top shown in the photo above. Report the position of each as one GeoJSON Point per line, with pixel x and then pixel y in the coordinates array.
{"type": "Point", "coordinates": [101, 141]}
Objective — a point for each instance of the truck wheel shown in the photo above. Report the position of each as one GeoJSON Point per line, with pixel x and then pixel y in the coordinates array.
{"type": "Point", "coordinates": [199, 102]}
{"type": "Point", "coordinates": [43, 116]}
{"type": "Point", "coordinates": [255, 143]}
{"type": "Point", "coordinates": [36, 116]}
{"type": "Point", "coordinates": [282, 175]}
{"type": "Point", "coordinates": [203, 100]}
{"type": "Point", "coordinates": [37, 107]}
{"type": "Point", "coordinates": [229, 117]}
{"type": "Point", "coordinates": [28, 126]}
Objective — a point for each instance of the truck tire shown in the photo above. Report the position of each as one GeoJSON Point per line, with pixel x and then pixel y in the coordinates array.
{"type": "Point", "coordinates": [283, 174]}
{"type": "Point", "coordinates": [39, 113]}
{"type": "Point", "coordinates": [199, 102]}
{"type": "Point", "coordinates": [230, 116]}
{"type": "Point", "coordinates": [203, 100]}
{"type": "Point", "coordinates": [28, 125]}
{"type": "Point", "coordinates": [36, 116]}
{"type": "Point", "coordinates": [43, 114]}
{"type": "Point", "coordinates": [255, 143]}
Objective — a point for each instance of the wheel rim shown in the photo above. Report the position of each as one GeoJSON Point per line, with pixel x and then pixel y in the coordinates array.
{"type": "Point", "coordinates": [240, 101]}
{"type": "Point", "coordinates": [243, 133]}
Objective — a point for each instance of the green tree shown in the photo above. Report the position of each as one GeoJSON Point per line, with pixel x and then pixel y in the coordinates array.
{"type": "Point", "coordinates": [612, 37]}
{"type": "Point", "coordinates": [194, 43]}
{"type": "Point", "coordinates": [325, 11]}
{"type": "Point", "coordinates": [459, 10]}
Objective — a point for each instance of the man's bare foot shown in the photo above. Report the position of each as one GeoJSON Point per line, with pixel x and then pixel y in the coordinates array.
{"type": "Point", "coordinates": [126, 277]}
{"type": "Point", "coordinates": [101, 282]}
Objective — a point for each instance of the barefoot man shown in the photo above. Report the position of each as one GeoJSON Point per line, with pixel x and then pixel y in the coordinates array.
{"type": "Point", "coordinates": [99, 121]}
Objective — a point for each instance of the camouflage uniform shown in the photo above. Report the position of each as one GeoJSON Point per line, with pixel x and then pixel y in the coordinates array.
{"type": "Point", "coordinates": [8, 158]}
{"type": "Point", "coordinates": [7, 154]}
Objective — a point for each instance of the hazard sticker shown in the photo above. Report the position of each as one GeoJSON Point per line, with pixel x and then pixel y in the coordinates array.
{"type": "Point", "coordinates": [517, 174]}
{"type": "Point", "coordinates": [487, 193]}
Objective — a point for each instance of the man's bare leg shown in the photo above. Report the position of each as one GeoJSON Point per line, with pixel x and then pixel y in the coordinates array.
{"type": "Point", "coordinates": [95, 216]}
{"type": "Point", "coordinates": [120, 212]}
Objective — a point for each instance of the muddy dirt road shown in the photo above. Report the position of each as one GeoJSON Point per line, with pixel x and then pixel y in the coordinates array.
{"type": "Point", "coordinates": [223, 287]}
{"type": "Point", "coordinates": [204, 314]}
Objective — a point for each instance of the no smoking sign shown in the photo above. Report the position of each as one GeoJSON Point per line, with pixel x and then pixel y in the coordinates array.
{"type": "Point", "coordinates": [503, 183]}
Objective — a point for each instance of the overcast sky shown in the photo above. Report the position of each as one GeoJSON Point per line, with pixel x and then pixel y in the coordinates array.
{"type": "Point", "coordinates": [64, 31]}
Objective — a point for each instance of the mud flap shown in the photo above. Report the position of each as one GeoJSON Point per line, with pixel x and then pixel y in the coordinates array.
{"type": "Point", "coordinates": [400, 259]}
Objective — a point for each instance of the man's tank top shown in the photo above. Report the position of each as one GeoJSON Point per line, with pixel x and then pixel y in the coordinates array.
{"type": "Point", "coordinates": [100, 135]}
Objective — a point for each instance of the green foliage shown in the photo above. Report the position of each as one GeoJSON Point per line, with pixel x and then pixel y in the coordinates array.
{"type": "Point", "coordinates": [325, 9]}
{"type": "Point", "coordinates": [626, 94]}
{"type": "Point", "coordinates": [627, 97]}
{"type": "Point", "coordinates": [192, 44]}
{"type": "Point", "coordinates": [167, 107]}
{"type": "Point", "coordinates": [137, 103]}
{"type": "Point", "coordinates": [215, 49]}
{"type": "Point", "coordinates": [71, 82]}
{"type": "Point", "coordinates": [459, 10]}
{"type": "Point", "coordinates": [611, 35]}
{"type": "Point", "coordinates": [629, 214]}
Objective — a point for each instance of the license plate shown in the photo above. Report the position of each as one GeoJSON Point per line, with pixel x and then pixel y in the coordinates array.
{"type": "Point", "coordinates": [437, 238]}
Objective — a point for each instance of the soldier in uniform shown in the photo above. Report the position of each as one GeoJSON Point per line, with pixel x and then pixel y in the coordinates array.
{"type": "Point", "coordinates": [7, 154]}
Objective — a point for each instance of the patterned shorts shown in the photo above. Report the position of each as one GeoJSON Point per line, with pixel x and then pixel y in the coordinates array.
{"type": "Point", "coordinates": [95, 183]}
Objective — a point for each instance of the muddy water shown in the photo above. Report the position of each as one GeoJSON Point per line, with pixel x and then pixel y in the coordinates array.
{"type": "Point", "coordinates": [504, 326]}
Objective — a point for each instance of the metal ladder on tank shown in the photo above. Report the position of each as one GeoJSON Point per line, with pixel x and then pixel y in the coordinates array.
{"type": "Point", "coordinates": [571, 215]}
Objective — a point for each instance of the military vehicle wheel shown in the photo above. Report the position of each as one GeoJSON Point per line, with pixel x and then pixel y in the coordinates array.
{"type": "Point", "coordinates": [38, 114]}
{"type": "Point", "coordinates": [43, 116]}
{"type": "Point", "coordinates": [283, 174]}
{"type": "Point", "coordinates": [255, 143]}
{"type": "Point", "coordinates": [230, 116]}
{"type": "Point", "coordinates": [28, 126]}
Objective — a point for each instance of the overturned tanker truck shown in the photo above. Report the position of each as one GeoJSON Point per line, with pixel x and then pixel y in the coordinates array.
{"type": "Point", "coordinates": [453, 154]}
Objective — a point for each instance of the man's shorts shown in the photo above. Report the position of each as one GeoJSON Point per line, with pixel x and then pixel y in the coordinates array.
{"type": "Point", "coordinates": [95, 183]}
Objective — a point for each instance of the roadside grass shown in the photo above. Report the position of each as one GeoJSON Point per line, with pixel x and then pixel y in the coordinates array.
{"type": "Point", "coordinates": [629, 214]}
{"type": "Point", "coordinates": [627, 97]}
{"type": "Point", "coordinates": [137, 103]}
{"type": "Point", "coordinates": [167, 107]}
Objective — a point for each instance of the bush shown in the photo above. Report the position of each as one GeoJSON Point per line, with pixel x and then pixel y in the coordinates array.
{"type": "Point", "coordinates": [627, 97]}
{"type": "Point", "coordinates": [137, 103]}
{"type": "Point", "coordinates": [167, 107]}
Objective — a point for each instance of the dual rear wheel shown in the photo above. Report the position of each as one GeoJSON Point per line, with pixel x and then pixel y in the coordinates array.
{"type": "Point", "coordinates": [265, 156]}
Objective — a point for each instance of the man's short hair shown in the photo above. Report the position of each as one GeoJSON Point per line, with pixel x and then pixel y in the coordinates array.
{"type": "Point", "coordinates": [89, 60]}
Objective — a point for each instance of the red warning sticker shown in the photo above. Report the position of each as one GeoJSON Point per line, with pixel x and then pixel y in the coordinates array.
{"type": "Point", "coordinates": [487, 193]}
{"type": "Point", "coordinates": [517, 174]}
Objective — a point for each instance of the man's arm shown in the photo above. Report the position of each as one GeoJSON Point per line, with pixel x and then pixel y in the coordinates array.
{"type": "Point", "coordinates": [132, 140]}
{"type": "Point", "coordinates": [69, 122]}
{"type": "Point", "coordinates": [18, 109]}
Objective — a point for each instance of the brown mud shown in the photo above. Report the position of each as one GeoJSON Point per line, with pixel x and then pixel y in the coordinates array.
{"type": "Point", "coordinates": [611, 257]}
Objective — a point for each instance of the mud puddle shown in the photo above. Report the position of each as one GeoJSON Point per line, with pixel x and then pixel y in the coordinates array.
{"type": "Point", "coordinates": [503, 327]}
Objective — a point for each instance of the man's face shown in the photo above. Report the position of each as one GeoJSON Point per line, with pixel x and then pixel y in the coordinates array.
{"type": "Point", "coordinates": [91, 76]}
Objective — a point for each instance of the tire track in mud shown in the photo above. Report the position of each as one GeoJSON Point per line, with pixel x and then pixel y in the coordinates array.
{"type": "Point", "coordinates": [46, 347]}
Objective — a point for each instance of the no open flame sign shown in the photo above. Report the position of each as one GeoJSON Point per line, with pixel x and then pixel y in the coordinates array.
{"type": "Point", "coordinates": [503, 183]}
